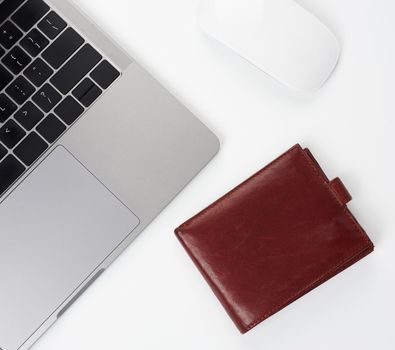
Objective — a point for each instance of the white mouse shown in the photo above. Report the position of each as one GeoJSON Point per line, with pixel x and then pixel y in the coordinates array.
{"type": "Point", "coordinates": [280, 37]}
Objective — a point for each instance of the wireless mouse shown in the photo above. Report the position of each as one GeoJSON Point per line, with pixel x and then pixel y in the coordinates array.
{"type": "Point", "coordinates": [279, 37]}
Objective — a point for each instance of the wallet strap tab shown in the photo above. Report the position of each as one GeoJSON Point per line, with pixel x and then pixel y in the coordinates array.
{"type": "Point", "coordinates": [341, 191]}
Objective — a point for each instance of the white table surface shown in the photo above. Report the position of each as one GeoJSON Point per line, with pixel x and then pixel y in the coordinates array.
{"type": "Point", "coordinates": [153, 297]}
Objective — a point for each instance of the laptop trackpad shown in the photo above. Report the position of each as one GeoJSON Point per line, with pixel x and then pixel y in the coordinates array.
{"type": "Point", "coordinates": [57, 227]}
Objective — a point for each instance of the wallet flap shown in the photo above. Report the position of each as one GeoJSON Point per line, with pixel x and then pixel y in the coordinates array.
{"type": "Point", "coordinates": [340, 190]}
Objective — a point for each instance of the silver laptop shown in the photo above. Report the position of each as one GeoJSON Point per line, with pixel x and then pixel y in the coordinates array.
{"type": "Point", "coordinates": [92, 148]}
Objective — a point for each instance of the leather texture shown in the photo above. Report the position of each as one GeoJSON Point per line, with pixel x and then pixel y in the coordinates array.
{"type": "Point", "coordinates": [274, 238]}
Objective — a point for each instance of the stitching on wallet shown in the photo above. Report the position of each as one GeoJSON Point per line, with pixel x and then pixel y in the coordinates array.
{"type": "Point", "coordinates": [322, 180]}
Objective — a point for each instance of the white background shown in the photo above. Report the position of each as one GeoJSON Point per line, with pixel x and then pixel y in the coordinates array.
{"type": "Point", "coordinates": [153, 297]}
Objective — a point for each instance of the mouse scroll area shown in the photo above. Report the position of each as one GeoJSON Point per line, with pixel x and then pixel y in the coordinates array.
{"type": "Point", "coordinates": [278, 36]}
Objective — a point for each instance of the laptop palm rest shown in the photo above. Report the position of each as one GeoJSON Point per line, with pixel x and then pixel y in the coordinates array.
{"type": "Point", "coordinates": [57, 227]}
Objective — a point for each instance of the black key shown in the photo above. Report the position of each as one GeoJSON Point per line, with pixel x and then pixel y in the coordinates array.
{"type": "Point", "coordinates": [87, 92]}
{"type": "Point", "coordinates": [34, 42]}
{"type": "Point", "coordinates": [38, 72]}
{"type": "Point", "coordinates": [5, 77]}
{"type": "Point", "coordinates": [7, 7]}
{"type": "Point", "coordinates": [47, 98]}
{"type": "Point", "coordinates": [29, 116]}
{"type": "Point", "coordinates": [3, 152]}
{"type": "Point", "coordinates": [20, 90]}
{"type": "Point", "coordinates": [7, 107]}
{"type": "Point", "coordinates": [30, 13]}
{"type": "Point", "coordinates": [16, 60]}
{"type": "Point", "coordinates": [75, 69]}
{"type": "Point", "coordinates": [51, 128]}
{"type": "Point", "coordinates": [32, 147]}
{"type": "Point", "coordinates": [52, 25]}
{"type": "Point", "coordinates": [69, 110]}
{"type": "Point", "coordinates": [105, 74]}
{"type": "Point", "coordinates": [62, 49]}
{"type": "Point", "coordinates": [11, 133]}
{"type": "Point", "coordinates": [10, 170]}
{"type": "Point", "coordinates": [9, 35]}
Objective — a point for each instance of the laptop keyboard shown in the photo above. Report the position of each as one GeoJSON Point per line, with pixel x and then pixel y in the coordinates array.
{"type": "Point", "coordinates": [49, 76]}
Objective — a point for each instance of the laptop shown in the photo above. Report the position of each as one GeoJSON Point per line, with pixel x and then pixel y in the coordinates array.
{"type": "Point", "coordinates": [92, 148]}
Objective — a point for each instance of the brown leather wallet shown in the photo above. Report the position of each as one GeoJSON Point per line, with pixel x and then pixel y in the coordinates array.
{"type": "Point", "coordinates": [274, 238]}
